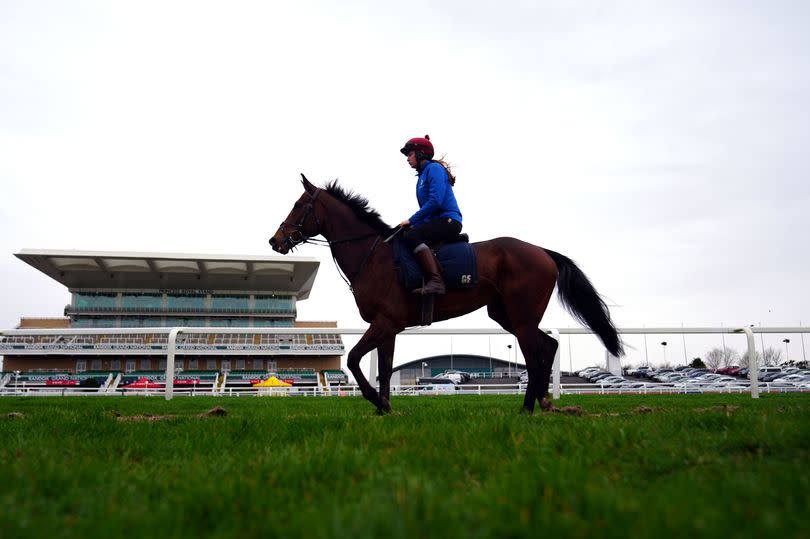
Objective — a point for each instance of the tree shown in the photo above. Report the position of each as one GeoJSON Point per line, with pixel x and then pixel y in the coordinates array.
{"type": "Point", "coordinates": [697, 363]}
{"type": "Point", "coordinates": [720, 357]}
{"type": "Point", "coordinates": [713, 358]}
{"type": "Point", "coordinates": [745, 363]}
{"type": "Point", "coordinates": [730, 357]}
{"type": "Point", "coordinates": [771, 356]}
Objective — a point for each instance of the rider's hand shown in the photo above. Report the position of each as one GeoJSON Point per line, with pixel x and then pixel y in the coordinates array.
{"type": "Point", "coordinates": [405, 224]}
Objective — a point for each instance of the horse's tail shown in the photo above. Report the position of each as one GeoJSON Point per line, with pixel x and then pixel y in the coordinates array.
{"type": "Point", "coordinates": [580, 298]}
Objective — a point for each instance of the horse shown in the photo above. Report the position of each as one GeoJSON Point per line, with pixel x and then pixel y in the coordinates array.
{"type": "Point", "coordinates": [516, 280]}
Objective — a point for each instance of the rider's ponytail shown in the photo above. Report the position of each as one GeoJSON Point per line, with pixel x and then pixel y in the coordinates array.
{"type": "Point", "coordinates": [446, 166]}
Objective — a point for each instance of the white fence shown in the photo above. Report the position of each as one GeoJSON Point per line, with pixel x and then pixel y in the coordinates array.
{"type": "Point", "coordinates": [556, 388]}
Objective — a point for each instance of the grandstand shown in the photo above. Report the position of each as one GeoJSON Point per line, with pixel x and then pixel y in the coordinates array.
{"type": "Point", "coordinates": [138, 291]}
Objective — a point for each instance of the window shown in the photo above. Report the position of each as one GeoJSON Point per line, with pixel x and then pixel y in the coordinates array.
{"type": "Point", "coordinates": [130, 366]}
{"type": "Point", "coordinates": [258, 364]}
{"type": "Point", "coordinates": [272, 365]}
{"type": "Point", "coordinates": [240, 364]}
{"type": "Point", "coordinates": [115, 365]}
{"type": "Point", "coordinates": [146, 364]}
{"type": "Point", "coordinates": [178, 363]}
{"type": "Point", "coordinates": [211, 364]}
{"type": "Point", "coordinates": [95, 365]}
{"type": "Point", "coordinates": [81, 365]}
{"type": "Point", "coordinates": [226, 365]}
{"type": "Point", "coordinates": [193, 364]}
{"type": "Point", "coordinates": [162, 365]}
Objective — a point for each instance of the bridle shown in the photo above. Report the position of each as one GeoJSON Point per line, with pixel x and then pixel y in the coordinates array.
{"type": "Point", "coordinates": [297, 236]}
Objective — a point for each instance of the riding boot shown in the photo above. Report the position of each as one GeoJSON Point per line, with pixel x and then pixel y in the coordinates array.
{"type": "Point", "coordinates": [429, 264]}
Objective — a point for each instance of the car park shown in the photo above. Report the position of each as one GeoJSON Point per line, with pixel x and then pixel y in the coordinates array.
{"type": "Point", "coordinates": [589, 371]}
{"type": "Point", "coordinates": [793, 379]}
{"type": "Point", "coordinates": [771, 376]}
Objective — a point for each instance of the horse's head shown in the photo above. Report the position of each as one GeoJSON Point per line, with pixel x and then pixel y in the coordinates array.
{"type": "Point", "coordinates": [301, 224]}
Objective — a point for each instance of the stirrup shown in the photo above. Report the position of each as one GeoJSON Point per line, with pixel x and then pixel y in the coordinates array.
{"type": "Point", "coordinates": [439, 285]}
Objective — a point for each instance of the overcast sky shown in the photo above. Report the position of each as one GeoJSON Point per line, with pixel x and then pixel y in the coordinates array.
{"type": "Point", "coordinates": [661, 145]}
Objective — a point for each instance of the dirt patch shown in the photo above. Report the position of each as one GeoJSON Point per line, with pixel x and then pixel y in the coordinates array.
{"type": "Point", "coordinates": [15, 414]}
{"type": "Point", "coordinates": [146, 417]}
{"type": "Point", "coordinates": [644, 410]}
{"type": "Point", "coordinates": [727, 408]}
{"type": "Point", "coordinates": [216, 411]}
{"type": "Point", "coordinates": [569, 410]}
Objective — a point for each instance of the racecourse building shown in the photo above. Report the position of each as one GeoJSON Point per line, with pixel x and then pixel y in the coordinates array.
{"type": "Point", "coordinates": [124, 294]}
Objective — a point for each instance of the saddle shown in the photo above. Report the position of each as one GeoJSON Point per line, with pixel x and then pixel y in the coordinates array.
{"type": "Point", "coordinates": [456, 259]}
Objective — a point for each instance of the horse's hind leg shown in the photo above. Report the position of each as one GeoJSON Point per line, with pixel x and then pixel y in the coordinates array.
{"type": "Point", "coordinates": [529, 345]}
{"type": "Point", "coordinates": [548, 349]}
{"type": "Point", "coordinates": [534, 349]}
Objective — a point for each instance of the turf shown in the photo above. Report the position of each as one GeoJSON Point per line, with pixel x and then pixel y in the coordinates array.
{"type": "Point", "coordinates": [447, 466]}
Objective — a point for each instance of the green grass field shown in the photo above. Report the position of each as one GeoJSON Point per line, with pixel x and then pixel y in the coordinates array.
{"type": "Point", "coordinates": [439, 466]}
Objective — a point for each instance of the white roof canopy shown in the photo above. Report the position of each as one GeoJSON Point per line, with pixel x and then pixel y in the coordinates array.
{"type": "Point", "coordinates": [110, 270]}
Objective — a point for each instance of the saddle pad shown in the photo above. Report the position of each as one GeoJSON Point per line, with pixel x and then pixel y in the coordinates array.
{"type": "Point", "coordinates": [457, 261]}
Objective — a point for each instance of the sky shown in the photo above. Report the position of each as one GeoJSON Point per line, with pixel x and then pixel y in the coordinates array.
{"type": "Point", "coordinates": [661, 145]}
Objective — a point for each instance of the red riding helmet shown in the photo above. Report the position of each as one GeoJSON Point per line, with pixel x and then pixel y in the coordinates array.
{"type": "Point", "coordinates": [420, 145]}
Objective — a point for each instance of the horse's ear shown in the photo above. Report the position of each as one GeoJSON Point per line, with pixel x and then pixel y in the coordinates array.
{"type": "Point", "coordinates": [307, 186]}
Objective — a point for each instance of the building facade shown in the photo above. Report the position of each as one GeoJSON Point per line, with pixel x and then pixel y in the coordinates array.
{"type": "Point", "coordinates": [123, 302]}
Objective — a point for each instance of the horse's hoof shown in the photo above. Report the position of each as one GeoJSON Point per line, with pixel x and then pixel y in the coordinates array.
{"type": "Point", "coordinates": [384, 407]}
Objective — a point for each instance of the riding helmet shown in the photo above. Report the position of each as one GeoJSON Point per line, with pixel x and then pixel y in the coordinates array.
{"type": "Point", "coordinates": [420, 145]}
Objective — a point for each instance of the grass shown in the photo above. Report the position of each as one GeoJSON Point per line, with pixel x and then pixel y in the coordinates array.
{"type": "Point", "coordinates": [455, 466]}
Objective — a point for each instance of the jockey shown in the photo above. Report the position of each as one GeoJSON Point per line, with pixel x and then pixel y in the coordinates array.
{"type": "Point", "coordinates": [438, 218]}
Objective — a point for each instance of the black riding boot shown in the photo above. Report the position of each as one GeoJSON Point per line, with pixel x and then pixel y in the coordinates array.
{"type": "Point", "coordinates": [435, 283]}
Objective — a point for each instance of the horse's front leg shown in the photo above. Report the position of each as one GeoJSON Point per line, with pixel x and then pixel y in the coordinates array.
{"type": "Point", "coordinates": [378, 333]}
{"type": "Point", "coordinates": [385, 364]}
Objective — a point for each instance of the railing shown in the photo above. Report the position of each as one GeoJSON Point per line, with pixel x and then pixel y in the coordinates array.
{"type": "Point", "coordinates": [173, 334]}
{"type": "Point", "coordinates": [401, 390]}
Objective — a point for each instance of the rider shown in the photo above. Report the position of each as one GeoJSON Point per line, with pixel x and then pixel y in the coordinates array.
{"type": "Point", "coordinates": [438, 218]}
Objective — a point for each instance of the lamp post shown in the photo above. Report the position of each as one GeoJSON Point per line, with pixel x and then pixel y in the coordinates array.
{"type": "Point", "coordinates": [646, 354]}
{"type": "Point", "coordinates": [787, 357]}
{"type": "Point", "coordinates": [16, 381]}
{"type": "Point", "coordinates": [664, 346]}
{"type": "Point", "coordinates": [489, 344]}
{"type": "Point", "coordinates": [570, 356]}
{"type": "Point", "coordinates": [509, 360]}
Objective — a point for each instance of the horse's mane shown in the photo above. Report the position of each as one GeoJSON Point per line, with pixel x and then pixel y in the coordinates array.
{"type": "Point", "coordinates": [359, 206]}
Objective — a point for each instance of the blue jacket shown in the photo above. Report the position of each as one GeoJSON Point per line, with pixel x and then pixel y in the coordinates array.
{"type": "Point", "coordinates": [435, 196]}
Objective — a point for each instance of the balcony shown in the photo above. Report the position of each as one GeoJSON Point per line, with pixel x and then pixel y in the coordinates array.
{"type": "Point", "coordinates": [175, 310]}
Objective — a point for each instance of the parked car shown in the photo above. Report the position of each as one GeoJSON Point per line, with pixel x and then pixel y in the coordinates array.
{"type": "Point", "coordinates": [793, 378]}
{"type": "Point", "coordinates": [640, 371]}
{"type": "Point", "coordinates": [465, 376]}
{"type": "Point", "coordinates": [771, 376]}
{"type": "Point", "coordinates": [630, 384]}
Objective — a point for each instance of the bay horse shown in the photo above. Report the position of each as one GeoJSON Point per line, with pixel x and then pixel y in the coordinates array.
{"type": "Point", "coordinates": [515, 282]}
